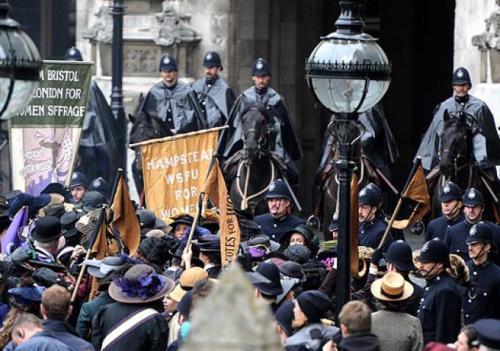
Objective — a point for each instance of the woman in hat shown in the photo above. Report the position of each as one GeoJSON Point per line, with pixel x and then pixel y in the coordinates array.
{"type": "Point", "coordinates": [395, 329]}
{"type": "Point", "coordinates": [301, 235]}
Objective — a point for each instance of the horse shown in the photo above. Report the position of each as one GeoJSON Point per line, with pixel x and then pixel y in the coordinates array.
{"type": "Point", "coordinates": [326, 192]}
{"type": "Point", "coordinates": [251, 170]}
{"type": "Point", "coordinates": [456, 163]}
{"type": "Point", "coordinates": [144, 127]}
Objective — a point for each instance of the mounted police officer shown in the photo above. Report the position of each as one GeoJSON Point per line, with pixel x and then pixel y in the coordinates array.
{"type": "Point", "coordinates": [283, 141]}
{"type": "Point", "coordinates": [279, 220]}
{"type": "Point", "coordinates": [214, 94]}
{"type": "Point", "coordinates": [441, 305]}
{"type": "Point", "coordinates": [451, 207]}
{"type": "Point", "coordinates": [486, 144]}
{"type": "Point", "coordinates": [172, 102]}
{"type": "Point", "coordinates": [481, 296]}
{"type": "Point", "coordinates": [372, 223]}
{"type": "Point", "coordinates": [456, 235]}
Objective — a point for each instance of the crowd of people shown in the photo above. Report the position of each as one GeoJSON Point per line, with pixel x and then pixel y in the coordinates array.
{"type": "Point", "coordinates": [445, 296]}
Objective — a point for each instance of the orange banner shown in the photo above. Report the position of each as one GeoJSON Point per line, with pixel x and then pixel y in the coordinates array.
{"type": "Point", "coordinates": [174, 170]}
{"type": "Point", "coordinates": [215, 188]}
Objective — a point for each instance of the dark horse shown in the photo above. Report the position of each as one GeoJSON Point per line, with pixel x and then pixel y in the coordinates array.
{"type": "Point", "coordinates": [250, 171]}
{"type": "Point", "coordinates": [144, 127]}
{"type": "Point", "coordinates": [456, 164]}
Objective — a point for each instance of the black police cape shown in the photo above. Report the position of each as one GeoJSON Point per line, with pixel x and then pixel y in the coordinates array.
{"type": "Point", "coordinates": [378, 142]}
{"type": "Point", "coordinates": [283, 143]}
{"type": "Point", "coordinates": [186, 113]}
{"type": "Point", "coordinates": [215, 99]}
{"type": "Point", "coordinates": [486, 150]}
{"type": "Point", "coordinates": [102, 138]}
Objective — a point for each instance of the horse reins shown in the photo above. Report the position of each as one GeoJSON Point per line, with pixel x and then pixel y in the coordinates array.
{"type": "Point", "coordinates": [244, 197]}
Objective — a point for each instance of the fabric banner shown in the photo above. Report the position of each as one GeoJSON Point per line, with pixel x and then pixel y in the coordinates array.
{"type": "Point", "coordinates": [125, 220]}
{"type": "Point", "coordinates": [12, 238]}
{"type": "Point", "coordinates": [44, 138]}
{"type": "Point", "coordinates": [174, 171]}
{"type": "Point", "coordinates": [215, 188]}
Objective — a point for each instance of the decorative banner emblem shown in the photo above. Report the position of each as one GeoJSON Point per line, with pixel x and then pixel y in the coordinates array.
{"type": "Point", "coordinates": [446, 189]}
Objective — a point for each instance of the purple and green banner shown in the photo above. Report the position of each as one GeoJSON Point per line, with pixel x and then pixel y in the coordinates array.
{"type": "Point", "coordinates": [44, 138]}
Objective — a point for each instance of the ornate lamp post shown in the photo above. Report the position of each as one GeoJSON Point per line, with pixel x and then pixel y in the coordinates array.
{"type": "Point", "coordinates": [20, 65]}
{"type": "Point", "coordinates": [348, 72]}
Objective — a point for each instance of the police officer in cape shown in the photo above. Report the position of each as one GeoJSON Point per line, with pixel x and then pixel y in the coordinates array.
{"type": "Point", "coordinates": [456, 235]}
{"type": "Point", "coordinates": [173, 103]}
{"type": "Point", "coordinates": [215, 96]}
{"type": "Point", "coordinates": [279, 221]}
{"type": "Point", "coordinates": [441, 304]}
{"type": "Point", "coordinates": [372, 224]}
{"type": "Point", "coordinates": [283, 142]}
{"type": "Point", "coordinates": [481, 296]}
{"type": "Point", "coordinates": [486, 143]}
{"type": "Point", "coordinates": [451, 209]}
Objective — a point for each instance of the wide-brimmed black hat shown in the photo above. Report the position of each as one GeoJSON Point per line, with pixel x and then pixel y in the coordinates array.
{"type": "Point", "coordinates": [68, 221]}
{"type": "Point", "coordinates": [141, 284]}
{"type": "Point", "coordinates": [272, 273]}
{"type": "Point", "coordinates": [100, 268]}
{"type": "Point", "coordinates": [209, 243]}
{"type": "Point", "coordinates": [184, 219]}
{"type": "Point", "coordinates": [47, 228]}
{"type": "Point", "coordinates": [400, 254]}
{"type": "Point", "coordinates": [298, 253]}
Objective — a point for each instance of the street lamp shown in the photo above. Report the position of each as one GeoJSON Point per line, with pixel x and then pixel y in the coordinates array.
{"type": "Point", "coordinates": [348, 72]}
{"type": "Point", "coordinates": [20, 65]}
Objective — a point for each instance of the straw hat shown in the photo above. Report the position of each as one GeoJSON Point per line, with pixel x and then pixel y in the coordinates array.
{"type": "Point", "coordinates": [391, 287]}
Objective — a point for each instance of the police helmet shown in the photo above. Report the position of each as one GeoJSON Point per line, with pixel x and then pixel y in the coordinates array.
{"type": "Point", "coordinates": [100, 185]}
{"type": "Point", "coordinates": [370, 195]}
{"type": "Point", "coordinates": [461, 76]}
{"type": "Point", "coordinates": [473, 197]}
{"type": "Point", "coordinates": [399, 254]}
{"type": "Point", "coordinates": [435, 251]}
{"type": "Point", "coordinates": [168, 63]}
{"type": "Point", "coordinates": [261, 68]}
{"type": "Point", "coordinates": [488, 332]}
{"type": "Point", "coordinates": [278, 189]}
{"type": "Point", "coordinates": [450, 191]}
{"type": "Point", "coordinates": [212, 59]}
{"type": "Point", "coordinates": [78, 179]}
{"type": "Point", "coordinates": [73, 54]}
{"type": "Point", "coordinates": [480, 232]}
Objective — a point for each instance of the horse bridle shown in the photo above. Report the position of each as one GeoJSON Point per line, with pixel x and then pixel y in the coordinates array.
{"type": "Point", "coordinates": [262, 138]}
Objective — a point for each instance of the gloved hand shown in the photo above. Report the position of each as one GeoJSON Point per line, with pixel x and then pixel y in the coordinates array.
{"type": "Point", "coordinates": [377, 257]}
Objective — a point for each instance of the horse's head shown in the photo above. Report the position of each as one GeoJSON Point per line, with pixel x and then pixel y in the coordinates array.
{"type": "Point", "coordinates": [255, 130]}
{"type": "Point", "coordinates": [454, 143]}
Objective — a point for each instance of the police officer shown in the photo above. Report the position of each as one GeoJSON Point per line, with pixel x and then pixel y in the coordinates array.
{"type": "Point", "coordinates": [451, 207]}
{"type": "Point", "coordinates": [214, 94]}
{"type": "Point", "coordinates": [279, 220]}
{"type": "Point", "coordinates": [488, 333]}
{"type": "Point", "coordinates": [372, 223]}
{"type": "Point", "coordinates": [172, 102]}
{"type": "Point", "coordinates": [78, 186]}
{"type": "Point", "coordinates": [481, 297]}
{"type": "Point", "coordinates": [283, 141]}
{"type": "Point", "coordinates": [486, 144]}
{"type": "Point", "coordinates": [456, 235]}
{"type": "Point", "coordinates": [441, 304]}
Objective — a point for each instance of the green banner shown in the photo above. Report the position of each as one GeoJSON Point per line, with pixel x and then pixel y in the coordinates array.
{"type": "Point", "coordinates": [61, 99]}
